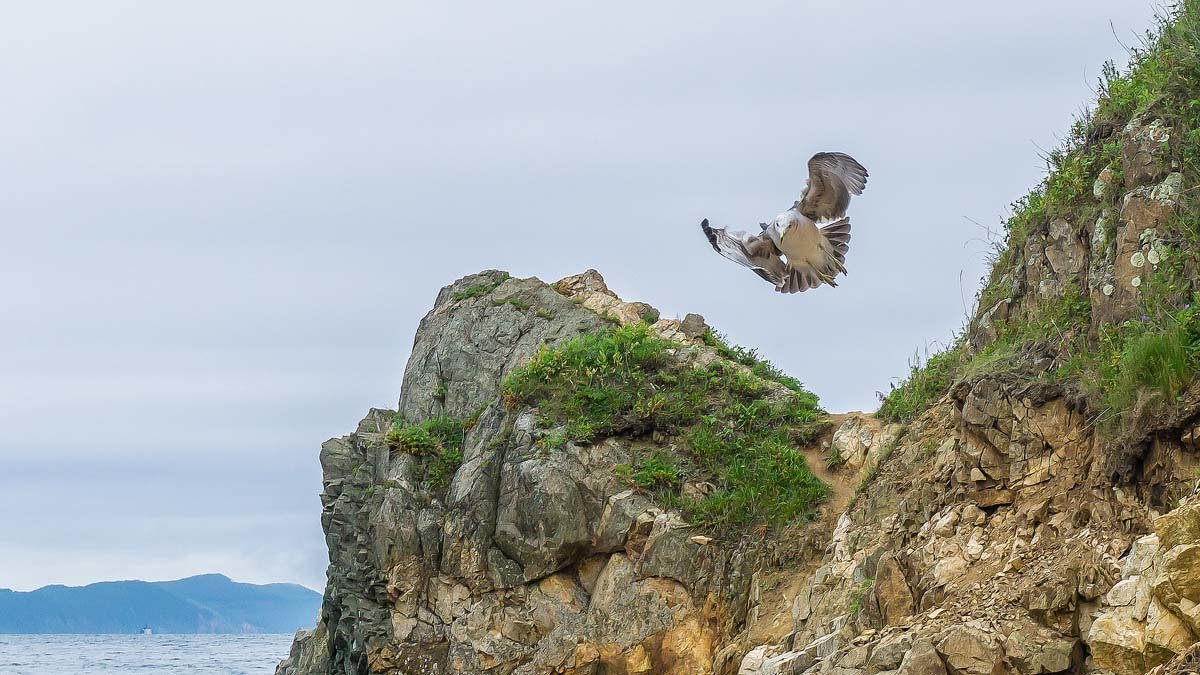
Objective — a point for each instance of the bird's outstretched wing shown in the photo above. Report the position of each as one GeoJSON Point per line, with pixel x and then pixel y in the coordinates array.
{"type": "Point", "coordinates": [832, 178]}
{"type": "Point", "coordinates": [757, 252]}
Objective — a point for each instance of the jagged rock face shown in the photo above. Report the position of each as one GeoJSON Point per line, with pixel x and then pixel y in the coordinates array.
{"type": "Point", "coordinates": [1057, 259]}
{"type": "Point", "coordinates": [991, 540]}
{"type": "Point", "coordinates": [465, 347]}
{"type": "Point", "coordinates": [1153, 612]}
{"type": "Point", "coordinates": [1187, 663]}
{"type": "Point", "coordinates": [532, 561]}
{"type": "Point", "coordinates": [1110, 256]}
{"type": "Point", "coordinates": [309, 653]}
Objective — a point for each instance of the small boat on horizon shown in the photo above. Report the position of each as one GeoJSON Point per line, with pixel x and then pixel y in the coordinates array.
{"type": "Point", "coordinates": [146, 630]}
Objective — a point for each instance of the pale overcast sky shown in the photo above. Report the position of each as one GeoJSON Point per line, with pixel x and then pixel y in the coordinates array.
{"type": "Point", "coordinates": [222, 221]}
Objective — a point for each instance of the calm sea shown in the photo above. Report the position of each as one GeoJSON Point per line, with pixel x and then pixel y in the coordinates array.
{"type": "Point", "coordinates": [142, 654]}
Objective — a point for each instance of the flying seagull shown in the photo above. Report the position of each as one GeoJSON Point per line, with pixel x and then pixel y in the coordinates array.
{"type": "Point", "coordinates": [806, 245]}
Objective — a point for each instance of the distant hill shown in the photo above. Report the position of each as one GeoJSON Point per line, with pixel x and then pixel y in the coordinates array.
{"type": "Point", "coordinates": [209, 603]}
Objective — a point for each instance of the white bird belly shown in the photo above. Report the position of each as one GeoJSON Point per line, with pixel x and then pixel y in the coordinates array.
{"type": "Point", "coordinates": [801, 243]}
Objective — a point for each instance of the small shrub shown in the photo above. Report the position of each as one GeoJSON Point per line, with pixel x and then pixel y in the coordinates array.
{"type": "Point", "coordinates": [553, 441]}
{"type": "Point", "coordinates": [859, 594]}
{"type": "Point", "coordinates": [835, 458]}
{"type": "Point", "coordinates": [442, 468]}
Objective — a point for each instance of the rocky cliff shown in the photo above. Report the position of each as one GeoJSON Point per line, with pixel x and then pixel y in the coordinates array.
{"type": "Point", "coordinates": [528, 508]}
{"type": "Point", "coordinates": [571, 484]}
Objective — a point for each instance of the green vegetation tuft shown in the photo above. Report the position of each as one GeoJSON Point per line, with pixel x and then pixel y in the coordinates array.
{"type": "Point", "coordinates": [659, 470]}
{"type": "Point", "coordinates": [751, 359]}
{"type": "Point", "coordinates": [1161, 361]}
{"type": "Point", "coordinates": [521, 304]}
{"type": "Point", "coordinates": [480, 289]}
{"type": "Point", "coordinates": [604, 382]}
{"type": "Point", "coordinates": [859, 594]}
{"type": "Point", "coordinates": [1142, 365]}
{"type": "Point", "coordinates": [736, 430]}
{"type": "Point", "coordinates": [438, 441]}
{"type": "Point", "coordinates": [927, 382]}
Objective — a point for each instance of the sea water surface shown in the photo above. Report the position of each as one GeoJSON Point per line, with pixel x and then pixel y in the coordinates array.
{"type": "Point", "coordinates": [142, 654]}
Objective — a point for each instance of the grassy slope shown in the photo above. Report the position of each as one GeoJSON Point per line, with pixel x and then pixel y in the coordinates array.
{"type": "Point", "coordinates": [736, 422]}
{"type": "Point", "coordinates": [1113, 367]}
{"type": "Point", "coordinates": [741, 421]}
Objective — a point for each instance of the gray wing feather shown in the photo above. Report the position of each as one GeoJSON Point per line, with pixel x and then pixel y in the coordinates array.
{"type": "Point", "coordinates": [832, 178]}
{"type": "Point", "coordinates": [756, 252]}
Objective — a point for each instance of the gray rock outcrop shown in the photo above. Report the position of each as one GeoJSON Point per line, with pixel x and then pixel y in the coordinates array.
{"type": "Point", "coordinates": [529, 561]}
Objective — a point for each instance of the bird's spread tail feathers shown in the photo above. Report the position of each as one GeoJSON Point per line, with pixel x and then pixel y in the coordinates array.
{"type": "Point", "coordinates": [805, 275]}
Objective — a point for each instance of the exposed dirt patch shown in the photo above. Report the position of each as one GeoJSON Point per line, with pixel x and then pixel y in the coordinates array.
{"type": "Point", "coordinates": [802, 546]}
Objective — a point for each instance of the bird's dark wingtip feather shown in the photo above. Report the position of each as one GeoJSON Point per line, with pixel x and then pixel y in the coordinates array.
{"type": "Point", "coordinates": [712, 237]}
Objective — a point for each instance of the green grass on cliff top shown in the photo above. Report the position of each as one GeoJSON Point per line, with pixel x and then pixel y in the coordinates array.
{"type": "Point", "coordinates": [1118, 368]}
{"type": "Point", "coordinates": [721, 423]}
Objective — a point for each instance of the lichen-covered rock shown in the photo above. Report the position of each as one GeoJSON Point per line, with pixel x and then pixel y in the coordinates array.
{"type": "Point", "coordinates": [763, 661]}
{"type": "Point", "coordinates": [1187, 663]}
{"type": "Point", "coordinates": [1118, 643]}
{"type": "Point", "coordinates": [1035, 649]}
{"type": "Point", "coordinates": [1145, 151]}
{"type": "Point", "coordinates": [589, 291]}
{"type": "Point", "coordinates": [1138, 249]}
{"type": "Point", "coordinates": [538, 523]}
{"type": "Point", "coordinates": [626, 515]}
{"type": "Point", "coordinates": [1055, 261]}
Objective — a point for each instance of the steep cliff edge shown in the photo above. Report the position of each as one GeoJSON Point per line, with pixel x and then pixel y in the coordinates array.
{"type": "Point", "coordinates": [573, 485]}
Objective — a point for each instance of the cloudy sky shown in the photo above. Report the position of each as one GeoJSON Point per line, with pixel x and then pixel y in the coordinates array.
{"type": "Point", "coordinates": [222, 221]}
